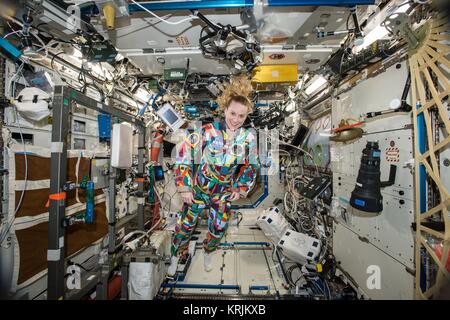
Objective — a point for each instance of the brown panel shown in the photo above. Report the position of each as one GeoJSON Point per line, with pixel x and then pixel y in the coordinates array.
{"type": "Point", "coordinates": [83, 169]}
{"type": "Point", "coordinates": [39, 168]}
{"type": "Point", "coordinates": [33, 242]}
{"type": "Point", "coordinates": [34, 201]}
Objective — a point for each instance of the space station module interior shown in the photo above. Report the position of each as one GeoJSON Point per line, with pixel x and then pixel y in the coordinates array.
{"type": "Point", "coordinates": [347, 114]}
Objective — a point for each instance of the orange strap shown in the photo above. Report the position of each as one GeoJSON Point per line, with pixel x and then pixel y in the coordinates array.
{"type": "Point", "coordinates": [347, 127]}
{"type": "Point", "coordinates": [139, 179]}
{"type": "Point", "coordinates": [55, 196]}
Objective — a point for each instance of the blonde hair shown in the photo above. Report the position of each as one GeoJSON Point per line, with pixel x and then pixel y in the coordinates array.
{"type": "Point", "coordinates": [238, 90]}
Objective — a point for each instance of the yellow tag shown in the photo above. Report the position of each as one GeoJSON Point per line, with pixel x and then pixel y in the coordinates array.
{"type": "Point", "coordinates": [319, 267]}
{"type": "Point", "coordinates": [61, 298]}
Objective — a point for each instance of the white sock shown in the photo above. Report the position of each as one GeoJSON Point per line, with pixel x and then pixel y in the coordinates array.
{"type": "Point", "coordinates": [207, 261]}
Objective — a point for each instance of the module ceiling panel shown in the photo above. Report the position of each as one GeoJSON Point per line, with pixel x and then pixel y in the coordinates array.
{"type": "Point", "coordinates": [148, 42]}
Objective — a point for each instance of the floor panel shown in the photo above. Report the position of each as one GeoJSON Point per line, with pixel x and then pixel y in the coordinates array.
{"type": "Point", "coordinates": [247, 265]}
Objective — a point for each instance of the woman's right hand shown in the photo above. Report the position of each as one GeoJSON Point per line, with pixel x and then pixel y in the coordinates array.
{"type": "Point", "coordinates": [187, 197]}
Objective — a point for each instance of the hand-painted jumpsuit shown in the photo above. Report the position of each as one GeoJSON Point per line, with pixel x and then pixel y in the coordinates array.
{"type": "Point", "coordinates": [228, 161]}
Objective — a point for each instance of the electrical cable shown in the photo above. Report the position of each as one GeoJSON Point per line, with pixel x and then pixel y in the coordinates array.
{"type": "Point", "coordinates": [303, 150]}
{"type": "Point", "coordinates": [26, 164]}
{"type": "Point", "coordinates": [191, 17]}
{"type": "Point", "coordinates": [11, 33]}
{"type": "Point", "coordinates": [135, 27]}
{"type": "Point", "coordinates": [43, 45]}
{"type": "Point", "coordinates": [13, 86]}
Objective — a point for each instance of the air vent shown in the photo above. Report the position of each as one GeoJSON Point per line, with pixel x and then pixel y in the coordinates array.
{"type": "Point", "coordinates": [315, 244]}
{"type": "Point", "coordinates": [269, 220]}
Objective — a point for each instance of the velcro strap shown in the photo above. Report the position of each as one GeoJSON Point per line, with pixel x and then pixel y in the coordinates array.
{"type": "Point", "coordinates": [55, 196]}
{"type": "Point", "coordinates": [54, 255]}
{"type": "Point", "coordinates": [56, 147]}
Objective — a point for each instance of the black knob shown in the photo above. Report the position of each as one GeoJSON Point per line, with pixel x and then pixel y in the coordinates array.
{"type": "Point", "coordinates": [401, 192]}
{"type": "Point", "coordinates": [402, 201]}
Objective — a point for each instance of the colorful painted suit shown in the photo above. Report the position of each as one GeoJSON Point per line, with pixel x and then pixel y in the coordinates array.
{"type": "Point", "coordinates": [226, 162]}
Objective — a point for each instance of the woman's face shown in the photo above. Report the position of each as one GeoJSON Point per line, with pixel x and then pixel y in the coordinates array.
{"type": "Point", "coordinates": [235, 115]}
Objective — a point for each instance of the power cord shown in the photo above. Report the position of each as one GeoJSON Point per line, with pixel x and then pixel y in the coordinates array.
{"type": "Point", "coordinates": [191, 17]}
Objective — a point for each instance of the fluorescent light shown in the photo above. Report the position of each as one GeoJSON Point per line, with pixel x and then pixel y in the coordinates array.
{"type": "Point", "coordinates": [374, 35]}
{"type": "Point", "coordinates": [317, 83]}
{"type": "Point", "coordinates": [290, 106]}
{"type": "Point", "coordinates": [403, 8]}
{"type": "Point", "coordinates": [379, 32]}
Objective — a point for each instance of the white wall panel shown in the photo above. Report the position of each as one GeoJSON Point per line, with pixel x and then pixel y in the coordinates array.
{"type": "Point", "coordinates": [388, 235]}
{"type": "Point", "coordinates": [356, 256]}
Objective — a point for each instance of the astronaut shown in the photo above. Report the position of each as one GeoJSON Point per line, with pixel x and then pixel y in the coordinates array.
{"type": "Point", "coordinates": [226, 171]}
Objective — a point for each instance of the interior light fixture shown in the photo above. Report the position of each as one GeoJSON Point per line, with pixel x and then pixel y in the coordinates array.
{"type": "Point", "coordinates": [316, 84]}
{"type": "Point", "coordinates": [379, 32]}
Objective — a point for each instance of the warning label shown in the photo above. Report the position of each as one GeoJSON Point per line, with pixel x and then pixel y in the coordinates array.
{"type": "Point", "coordinates": [392, 154]}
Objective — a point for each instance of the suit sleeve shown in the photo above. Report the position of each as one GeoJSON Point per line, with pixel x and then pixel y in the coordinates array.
{"type": "Point", "coordinates": [246, 177]}
{"type": "Point", "coordinates": [188, 154]}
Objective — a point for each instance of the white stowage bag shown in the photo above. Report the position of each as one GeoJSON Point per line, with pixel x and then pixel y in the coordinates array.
{"type": "Point", "coordinates": [140, 281]}
{"type": "Point", "coordinates": [145, 278]}
{"type": "Point", "coordinates": [273, 224]}
{"type": "Point", "coordinates": [32, 104]}
{"type": "Point", "coordinates": [121, 146]}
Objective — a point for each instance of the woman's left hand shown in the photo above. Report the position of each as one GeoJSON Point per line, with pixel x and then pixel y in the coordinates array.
{"type": "Point", "coordinates": [234, 196]}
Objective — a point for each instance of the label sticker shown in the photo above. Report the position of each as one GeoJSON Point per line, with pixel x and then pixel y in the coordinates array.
{"type": "Point", "coordinates": [392, 154]}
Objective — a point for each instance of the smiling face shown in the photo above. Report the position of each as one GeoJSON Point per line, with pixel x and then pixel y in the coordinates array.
{"type": "Point", "coordinates": [235, 115]}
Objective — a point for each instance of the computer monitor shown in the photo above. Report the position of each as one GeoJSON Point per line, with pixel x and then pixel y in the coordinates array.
{"type": "Point", "coordinates": [170, 117]}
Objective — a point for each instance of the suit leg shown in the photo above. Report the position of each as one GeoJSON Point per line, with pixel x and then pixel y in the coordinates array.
{"type": "Point", "coordinates": [186, 224]}
{"type": "Point", "coordinates": [217, 225]}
